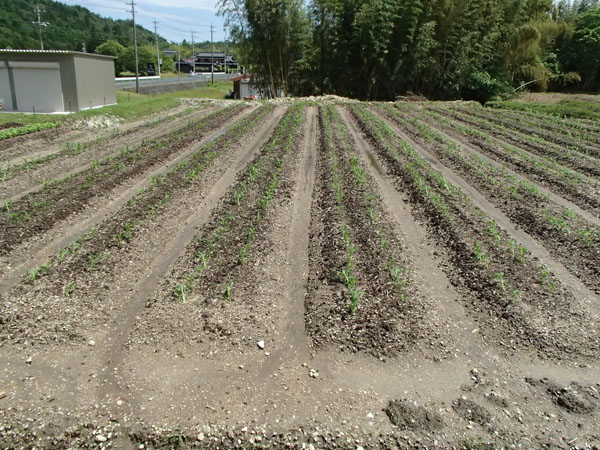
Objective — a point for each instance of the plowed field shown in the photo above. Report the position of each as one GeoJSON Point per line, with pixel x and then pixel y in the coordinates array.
{"type": "Point", "coordinates": [305, 274]}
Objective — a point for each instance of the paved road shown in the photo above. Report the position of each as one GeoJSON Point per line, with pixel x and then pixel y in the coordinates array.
{"type": "Point", "coordinates": [184, 78]}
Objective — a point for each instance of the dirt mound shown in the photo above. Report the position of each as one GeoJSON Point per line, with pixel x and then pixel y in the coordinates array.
{"type": "Point", "coordinates": [471, 411]}
{"type": "Point", "coordinates": [575, 398]}
{"type": "Point", "coordinates": [405, 415]}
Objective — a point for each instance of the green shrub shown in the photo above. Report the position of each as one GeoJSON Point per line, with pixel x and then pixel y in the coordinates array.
{"type": "Point", "coordinates": [482, 87]}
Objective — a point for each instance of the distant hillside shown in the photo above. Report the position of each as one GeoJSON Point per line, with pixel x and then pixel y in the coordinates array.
{"type": "Point", "coordinates": [68, 27]}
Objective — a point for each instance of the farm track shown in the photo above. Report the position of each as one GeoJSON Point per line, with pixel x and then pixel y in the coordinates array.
{"type": "Point", "coordinates": [41, 210]}
{"type": "Point", "coordinates": [581, 195]}
{"type": "Point", "coordinates": [23, 180]}
{"type": "Point", "coordinates": [558, 229]}
{"type": "Point", "coordinates": [302, 274]}
{"type": "Point", "coordinates": [577, 161]}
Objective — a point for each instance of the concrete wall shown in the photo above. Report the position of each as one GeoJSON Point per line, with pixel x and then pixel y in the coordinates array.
{"type": "Point", "coordinates": [161, 88]}
{"type": "Point", "coordinates": [82, 78]}
{"type": "Point", "coordinates": [95, 81]}
{"type": "Point", "coordinates": [246, 90]}
{"type": "Point", "coordinates": [67, 77]}
{"type": "Point", "coordinates": [5, 86]}
{"type": "Point", "coordinates": [37, 86]}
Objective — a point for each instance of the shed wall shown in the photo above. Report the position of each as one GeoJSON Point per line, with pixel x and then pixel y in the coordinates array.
{"type": "Point", "coordinates": [95, 80]}
{"type": "Point", "coordinates": [37, 86]}
{"type": "Point", "coordinates": [5, 90]}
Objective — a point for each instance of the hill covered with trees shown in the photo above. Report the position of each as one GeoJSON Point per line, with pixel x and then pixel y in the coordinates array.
{"type": "Point", "coordinates": [379, 49]}
{"type": "Point", "coordinates": [69, 27]}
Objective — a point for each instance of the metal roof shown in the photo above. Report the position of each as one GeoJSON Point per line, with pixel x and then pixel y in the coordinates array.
{"type": "Point", "coordinates": [54, 52]}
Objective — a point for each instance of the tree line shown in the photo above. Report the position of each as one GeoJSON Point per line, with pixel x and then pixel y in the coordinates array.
{"type": "Point", "coordinates": [69, 27]}
{"type": "Point", "coordinates": [443, 49]}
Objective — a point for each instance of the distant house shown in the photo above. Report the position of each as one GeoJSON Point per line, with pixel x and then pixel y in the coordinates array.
{"type": "Point", "coordinates": [56, 80]}
{"type": "Point", "coordinates": [205, 59]}
{"type": "Point", "coordinates": [243, 89]}
{"type": "Point", "coordinates": [185, 66]}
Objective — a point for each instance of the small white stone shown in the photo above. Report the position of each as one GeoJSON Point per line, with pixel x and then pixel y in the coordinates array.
{"type": "Point", "coordinates": [101, 438]}
{"type": "Point", "coordinates": [119, 402]}
{"type": "Point", "coordinates": [91, 343]}
{"type": "Point", "coordinates": [370, 416]}
{"type": "Point", "coordinates": [200, 437]}
{"type": "Point", "coordinates": [261, 344]}
{"type": "Point", "coordinates": [29, 360]}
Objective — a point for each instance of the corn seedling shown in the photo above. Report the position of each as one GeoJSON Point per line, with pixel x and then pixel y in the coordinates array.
{"type": "Point", "coordinates": [355, 295]}
{"type": "Point", "coordinates": [480, 254]}
{"type": "Point", "coordinates": [499, 279]}
{"type": "Point", "coordinates": [179, 293]}
{"type": "Point", "coordinates": [94, 260]}
{"type": "Point", "coordinates": [70, 288]}
{"type": "Point", "coordinates": [228, 292]}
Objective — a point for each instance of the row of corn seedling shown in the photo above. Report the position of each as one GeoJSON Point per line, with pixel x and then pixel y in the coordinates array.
{"type": "Point", "coordinates": [557, 227]}
{"type": "Point", "coordinates": [119, 231]}
{"type": "Point", "coordinates": [568, 157]}
{"type": "Point", "coordinates": [249, 198]}
{"type": "Point", "coordinates": [397, 272]}
{"type": "Point", "coordinates": [573, 139]}
{"type": "Point", "coordinates": [448, 208]}
{"type": "Point", "coordinates": [70, 149]}
{"type": "Point", "coordinates": [68, 196]}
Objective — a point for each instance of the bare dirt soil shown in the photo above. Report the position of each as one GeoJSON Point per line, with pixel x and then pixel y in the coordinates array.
{"type": "Point", "coordinates": [303, 274]}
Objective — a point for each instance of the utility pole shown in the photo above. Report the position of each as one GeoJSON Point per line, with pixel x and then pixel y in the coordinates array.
{"type": "Point", "coordinates": [39, 23]}
{"type": "Point", "coordinates": [137, 72]}
{"type": "Point", "coordinates": [212, 56]}
{"type": "Point", "coordinates": [193, 54]}
{"type": "Point", "coordinates": [157, 52]}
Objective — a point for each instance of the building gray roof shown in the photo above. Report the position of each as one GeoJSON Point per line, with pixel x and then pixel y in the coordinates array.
{"type": "Point", "coordinates": [52, 52]}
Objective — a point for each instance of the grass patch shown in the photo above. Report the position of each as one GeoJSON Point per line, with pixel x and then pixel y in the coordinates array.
{"type": "Point", "coordinates": [130, 106]}
{"type": "Point", "coordinates": [218, 91]}
{"type": "Point", "coordinates": [578, 109]}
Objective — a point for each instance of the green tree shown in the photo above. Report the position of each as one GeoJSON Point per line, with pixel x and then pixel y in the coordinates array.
{"type": "Point", "coordinates": [127, 59]}
{"type": "Point", "coordinates": [112, 48]}
{"type": "Point", "coordinates": [273, 35]}
{"type": "Point", "coordinates": [582, 53]}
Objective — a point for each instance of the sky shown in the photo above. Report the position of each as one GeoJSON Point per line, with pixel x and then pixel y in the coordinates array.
{"type": "Point", "coordinates": [175, 23]}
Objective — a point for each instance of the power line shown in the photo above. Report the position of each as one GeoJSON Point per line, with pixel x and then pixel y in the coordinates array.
{"type": "Point", "coordinates": [137, 73]}
{"type": "Point", "coordinates": [97, 5]}
{"type": "Point", "coordinates": [212, 59]}
{"type": "Point", "coordinates": [193, 53]}
{"type": "Point", "coordinates": [157, 52]}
